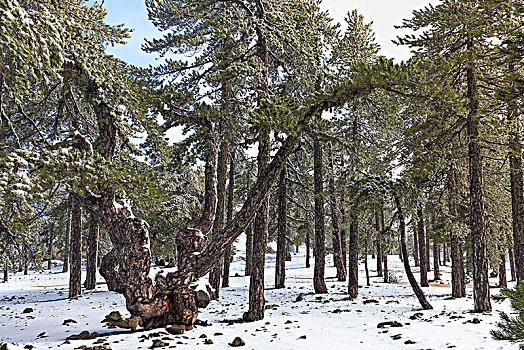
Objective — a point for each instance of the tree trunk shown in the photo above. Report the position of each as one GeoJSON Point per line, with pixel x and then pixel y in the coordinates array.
{"type": "Point", "coordinates": [517, 200]}
{"type": "Point", "coordinates": [512, 265]}
{"type": "Point", "coordinates": [223, 153]}
{"type": "Point", "coordinates": [422, 249]}
{"type": "Point", "coordinates": [385, 250]}
{"type": "Point", "coordinates": [230, 198]}
{"type": "Point", "coordinates": [337, 245]}
{"type": "Point", "coordinates": [444, 254]}
{"type": "Point", "coordinates": [280, 272]}
{"type": "Point", "coordinates": [318, 275]}
{"type": "Point", "coordinates": [378, 232]}
{"type": "Point", "coordinates": [412, 281]}
{"type": "Point", "coordinates": [366, 261]}
{"type": "Point", "coordinates": [415, 246]}
{"type": "Point", "coordinates": [428, 264]}
{"type": "Point", "coordinates": [503, 282]}
{"type": "Point", "coordinates": [458, 283]}
{"type": "Point", "coordinates": [249, 249]}
{"type": "Point", "coordinates": [26, 258]}
{"type": "Point", "coordinates": [6, 271]}
{"type": "Point", "coordinates": [92, 253]}
{"type": "Point", "coordinates": [477, 223]}
{"type": "Point", "coordinates": [50, 246]}
{"type": "Point", "coordinates": [256, 282]}
{"type": "Point", "coordinates": [353, 257]}
{"type": "Point", "coordinates": [75, 282]}
{"type": "Point", "coordinates": [308, 248]}
{"type": "Point", "coordinates": [67, 240]}
{"type": "Point", "coordinates": [436, 257]}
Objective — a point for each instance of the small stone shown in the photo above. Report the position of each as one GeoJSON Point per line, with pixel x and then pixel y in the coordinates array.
{"type": "Point", "coordinates": [68, 321]}
{"type": "Point", "coordinates": [370, 301]}
{"type": "Point", "coordinates": [208, 341]}
{"type": "Point", "coordinates": [408, 342]}
{"type": "Point", "coordinates": [159, 344]}
{"type": "Point", "coordinates": [396, 337]}
{"type": "Point", "coordinates": [238, 342]}
{"type": "Point", "coordinates": [300, 297]}
{"type": "Point", "coordinates": [203, 336]}
{"type": "Point", "coordinates": [288, 322]}
{"type": "Point", "coordinates": [389, 323]}
{"type": "Point", "coordinates": [302, 337]}
{"type": "Point", "coordinates": [27, 310]}
{"type": "Point", "coordinates": [176, 329]}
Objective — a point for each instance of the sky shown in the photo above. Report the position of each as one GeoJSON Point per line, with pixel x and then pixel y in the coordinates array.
{"type": "Point", "coordinates": [384, 14]}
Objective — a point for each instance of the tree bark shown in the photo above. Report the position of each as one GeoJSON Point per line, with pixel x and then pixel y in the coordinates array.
{"type": "Point", "coordinates": [67, 240]}
{"type": "Point", "coordinates": [422, 249]}
{"type": "Point", "coordinates": [6, 271]}
{"type": "Point", "coordinates": [92, 253]}
{"type": "Point", "coordinates": [436, 257]}
{"type": "Point", "coordinates": [256, 282]}
{"type": "Point", "coordinates": [230, 197]}
{"type": "Point", "coordinates": [75, 283]}
{"type": "Point", "coordinates": [280, 267]}
{"type": "Point", "coordinates": [503, 282]}
{"type": "Point", "coordinates": [481, 293]}
{"type": "Point", "coordinates": [378, 232]}
{"type": "Point", "coordinates": [318, 275]}
{"type": "Point", "coordinates": [458, 283]}
{"type": "Point", "coordinates": [428, 264]}
{"type": "Point", "coordinates": [337, 245]}
{"type": "Point", "coordinates": [512, 265]}
{"type": "Point", "coordinates": [249, 249]}
{"type": "Point", "coordinates": [412, 281]}
{"type": "Point", "coordinates": [353, 257]}
{"type": "Point", "coordinates": [50, 246]}
{"type": "Point", "coordinates": [308, 248]}
{"type": "Point", "coordinates": [415, 246]}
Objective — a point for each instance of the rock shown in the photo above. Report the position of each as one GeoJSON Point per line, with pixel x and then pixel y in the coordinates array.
{"type": "Point", "coordinates": [396, 337]}
{"type": "Point", "coordinates": [27, 310]}
{"type": "Point", "coordinates": [176, 329]}
{"type": "Point", "coordinates": [203, 336]}
{"type": "Point", "coordinates": [30, 347]}
{"type": "Point", "coordinates": [300, 297]}
{"type": "Point", "coordinates": [159, 344]}
{"type": "Point", "coordinates": [204, 323]}
{"type": "Point", "coordinates": [475, 321]}
{"type": "Point", "coordinates": [208, 341]}
{"type": "Point", "coordinates": [238, 342]}
{"type": "Point", "coordinates": [288, 322]}
{"type": "Point", "coordinates": [84, 335]}
{"type": "Point", "coordinates": [302, 337]}
{"type": "Point", "coordinates": [408, 342]}
{"type": "Point", "coordinates": [271, 306]}
{"type": "Point", "coordinates": [237, 274]}
{"type": "Point", "coordinates": [416, 316]}
{"type": "Point", "coordinates": [389, 323]}
{"type": "Point", "coordinates": [370, 301]}
{"type": "Point", "coordinates": [68, 321]}
{"type": "Point", "coordinates": [217, 334]}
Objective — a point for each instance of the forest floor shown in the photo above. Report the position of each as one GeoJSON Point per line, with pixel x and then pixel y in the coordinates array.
{"type": "Point", "coordinates": [328, 321]}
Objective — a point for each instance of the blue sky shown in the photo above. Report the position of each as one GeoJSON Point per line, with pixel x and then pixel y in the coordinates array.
{"type": "Point", "coordinates": [384, 13]}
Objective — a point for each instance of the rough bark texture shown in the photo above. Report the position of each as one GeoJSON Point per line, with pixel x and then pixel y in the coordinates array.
{"type": "Point", "coordinates": [229, 217]}
{"type": "Point", "coordinates": [517, 201]}
{"type": "Point", "coordinates": [428, 264]}
{"type": "Point", "coordinates": [214, 274]}
{"type": "Point", "coordinates": [6, 272]}
{"type": "Point", "coordinates": [256, 281]}
{"type": "Point", "coordinates": [249, 250]}
{"type": "Point", "coordinates": [337, 244]}
{"type": "Point", "coordinates": [477, 222]}
{"type": "Point", "coordinates": [415, 247]}
{"type": "Point", "coordinates": [503, 282]}
{"type": "Point", "coordinates": [75, 283]}
{"type": "Point", "coordinates": [320, 254]}
{"type": "Point", "coordinates": [92, 253]}
{"type": "Point", "coordinates": [308, 248]}
{"type": "Point", "coordinates": [422, 249]}
{"type": "Point", "coordinates": [512, 265]}
{"type": "Point", "coordinates": [280, 267]}
{"type": "Point", "coordinates": [412, 281]}
{"type": "Point", "coordinates": [67, 240]}
{"type": "Point", "coordinates": [436, 256]}
{"type": "Point", "coordinates": [378, 232]}
{"type": "Point", "coordinates": [353, 257]}
{"type": "Point", "coordinates": [458, 283]}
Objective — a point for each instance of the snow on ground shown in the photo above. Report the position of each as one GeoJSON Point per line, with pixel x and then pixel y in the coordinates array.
{"type": "Point", "coordinates": [328, 321]}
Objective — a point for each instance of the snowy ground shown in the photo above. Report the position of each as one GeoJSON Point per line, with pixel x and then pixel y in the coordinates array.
{"type": "Point", "coordinates": [329, 321]}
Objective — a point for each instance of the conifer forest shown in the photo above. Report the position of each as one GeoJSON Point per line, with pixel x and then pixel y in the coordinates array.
{"type": "Point", "coordinates": [269, 179]}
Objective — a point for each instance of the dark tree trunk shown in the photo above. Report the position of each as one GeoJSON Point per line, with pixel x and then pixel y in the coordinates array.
{"type": "Point", "coordinates": [353, 257]}
{"type": "Point", "coordinates": [458, 283]}
{"type": "Point", "coordinates": [280, 273]}
{"type": "Point", "coordinates": [67, 240]}
{"type": "Point", "coordinates": [503, 282]}
{"type": "Point", "coordinates": [343, 234]}
{"type": "Point", "coordinates": [412, 281]}
{"type": "Point", "coordinates": [385, 250]}
{"type": "Point", "coordinates": [366, 261]}
{"type": "Point", "coordinates": [436, 256]}
{"type": "Point", "coordinates": [308, 248]}
{"type": "Point", "coordinates": [422, 249]}
{"type": "Point", "coordinates": [428, 264]}
{"type": "Point", "coordinates": [92, 253]}
{"type": "Point", "coordinates": [337, 245]}
{"type": "Point", "coordinates": [318, 275]}
{"type": "Point", "coordinates": [223, 153]}
{"type": "Point", "coordinates": [512, 265]}
{"type": "Point", "coordinates": [230, 198]}
{"type": "Point", "coordinates": [444, 254]}
{"type": "Point", "coordinates": [256, 282]}
{"type": "Point", "coordinates": [6, 271]}
{"type": "Point", "coordinates": [477, 223]}
{"type": "Point", "coordinates": [26, 258]}
{"type": "Point", "coordinates": [517, 200]}
{"type": "Point", "coordinates": [50, 246]}
{"type": "Point", "coordinates": [415, 246]}
{"type": "Point", "coordinates": [249, 249]}
{"type": "Point", "coordinates": [378, 232]}
{"type": "Point", "coordinates": [75, 283]}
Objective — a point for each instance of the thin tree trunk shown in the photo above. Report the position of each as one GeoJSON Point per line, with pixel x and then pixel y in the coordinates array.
{"type": "Point", "coordinates": [256, 282]}
{"type": "Point", "coordinates": [444, 254]}
{"type": "Point", "coordinates": [366, 261]}
{"type": "Point", "coordinates": [353, 257]}
{"type": "Point", "coordinates": [412, 281]}
{"type": "Point", "coordinates": [26, 259]}
{"type": "Point", "coordinates": [75, 282]}
{"type": "Point", "coordinates": [512, 265]}
{"type": "Point", "coordinates": [308, 248]}
{"type": "Point", "coordinates": [422, 249]}
{"type": "Point", "coordinates": [229, 217]}
{"type": "Point", "coordinates": [415, 246]}
{"type": "Point", "coordinates": [6, 271]}
{"type": "Point", "coordinates": [428, 264]}
{"type": "Point", "coordinates": [458, 283]}
{"type": "Point", "coordinates": [378, 232]}
{"type": "Point", "coordinates": [67, 240]}
{"type": "Point", "coordinates": [436, 257]}
{"type": "Point", "coordinates": [503, 282]}
{"type": "Point", "coordinates": [50, 246]}
{"type": "Point", "coordinates": [280, 267]}
{"type": "Point", "coordinates": [385, 250]}
{"type": "Point", "coordinates": [92, 253]}
{"type": "Point", "coordinates": [318, 275]}
{"type": "Point", "coordinates": [481, 293]}
{"type": "Point", "coordinates": [249, 249]}
{"type": "Point", "coordinates": [337, 245]}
